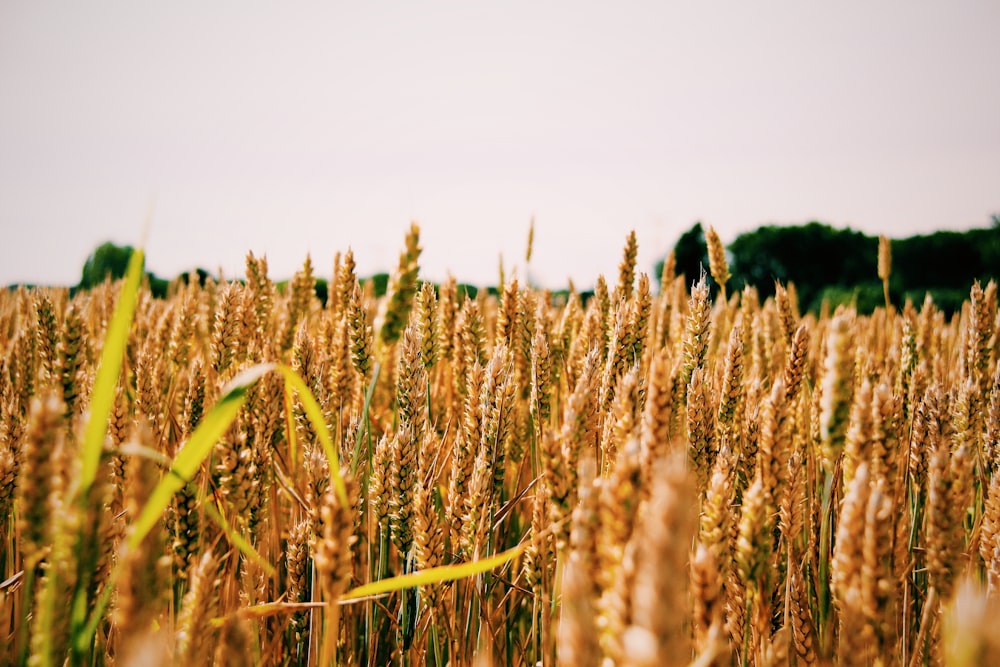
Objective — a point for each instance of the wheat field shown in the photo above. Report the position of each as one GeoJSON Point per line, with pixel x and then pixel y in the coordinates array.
{"type": "Point", "coordinates": [653, 476]}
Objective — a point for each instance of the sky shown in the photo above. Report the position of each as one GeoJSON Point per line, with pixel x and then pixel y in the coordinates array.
{"type": "Point", "coordinates": [300, 128]}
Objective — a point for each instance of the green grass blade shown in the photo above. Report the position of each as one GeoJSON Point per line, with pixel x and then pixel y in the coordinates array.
{"type": "Point", "coordinates": [211, 428]}
{"type": "Point", "coordinates": [195, 450]}
{"type": "Point", "coordinates": [369, 393]}
{"type": "Point", "coordinates": [237, 539]}
{"type": "Point", "coordinates": [184, 466]}
{"type": "Point", "coordinates": [103, 396]}
{"type": "Point", "coordinates": [435, 575]}
{"type": "Point", "coordinates": [315, 415]}
{"type": "Point", "coordinates": [290, 425]}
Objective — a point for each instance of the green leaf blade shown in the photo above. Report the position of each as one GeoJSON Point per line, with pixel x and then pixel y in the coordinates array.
{"type": "Point", "coordinates": [188, 459]}
{"type": "Point", "coordinates": [435, 575]}
{"type": "Point", "coordinates": [315, 415]}
{"type": "Point", "coordinates": [103, 396]}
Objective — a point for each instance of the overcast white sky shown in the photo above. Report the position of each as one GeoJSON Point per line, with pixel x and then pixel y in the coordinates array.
{"type": "Point", "coordinates": [289, 128]}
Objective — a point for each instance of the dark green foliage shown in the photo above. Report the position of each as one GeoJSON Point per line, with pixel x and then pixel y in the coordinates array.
{"type": "Point", "coordinates": [865, 298]}
{"type": "Point", "coordinates": [840, 265]}
{"type": "Point", "coordinates": [947, 259]}
{"type": "Point", "coordinates": [158, 286]}
{"type": "Point", "coordinates": [111, 261]}
{"type": "Point", "coordinates": [690, 253]}
{"type": "Point", "coordinates": [381, 282]}
{"type": "Point", "coordinates": [199, 275]}
{"type": "Point", "coordinates": [108, 260]}
{"type": "Point", "coordinates": [466, 290]}
{"type": "Point", "coordinates": [813, 256]}
{"type": "Point", "coordinates": [322, 290]}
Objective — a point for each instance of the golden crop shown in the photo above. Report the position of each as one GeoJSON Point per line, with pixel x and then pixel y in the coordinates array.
{"type": "Point", "coordinates": [650, 477]}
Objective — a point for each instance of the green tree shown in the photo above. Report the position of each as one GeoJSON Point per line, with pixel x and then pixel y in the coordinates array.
{"type": "Point", "coordinates": [690, 254]}
{"type": "Point", "coordinates": [813, 256]}
{"type": "Point", "coordinates": [841, 266]}
{"type": "Point", "coordinates": [107, 260]}
{"type": "Point", "coordinates": [942, 259]}
{"type": "Point", "coordinates": [110, 260]}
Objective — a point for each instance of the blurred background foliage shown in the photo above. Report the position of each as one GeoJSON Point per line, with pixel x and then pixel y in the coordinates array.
{"type": "Point", "coordinates": [826, 264]}
{"type": "Point", "coordinates": [839, 265]}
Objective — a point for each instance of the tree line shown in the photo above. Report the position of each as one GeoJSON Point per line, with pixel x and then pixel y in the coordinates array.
{"type": "Point", "coordinates": [839, 265]}
{"type": "Point", "coordinates": [826, 264]}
